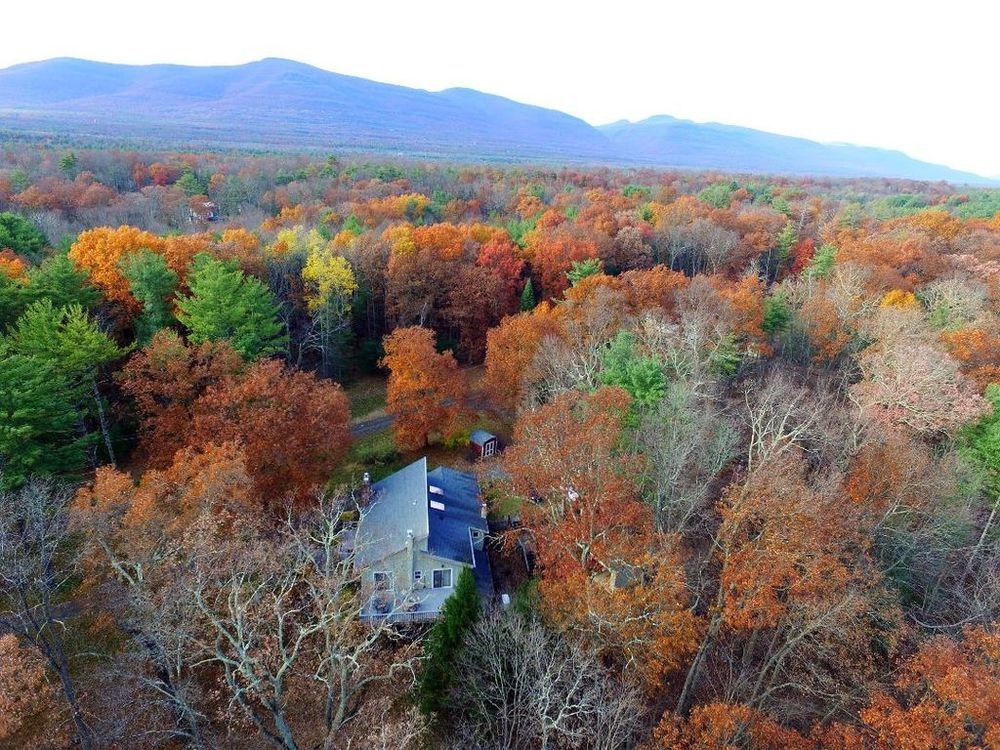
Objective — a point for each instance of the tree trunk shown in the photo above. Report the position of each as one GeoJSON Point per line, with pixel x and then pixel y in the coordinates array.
{"type": "Point", "coordinates": [103, 421]}
{"type": "Point", "coordinates": [694, 672]}
{"type": "Point", "coordinates": [982, 538]}
{"type": "Point", "coordinates": [182, 711]}
{"type": "Point", "coordinates": [282, 729]}
{"type": "Point", "coordinates": [84, 734]}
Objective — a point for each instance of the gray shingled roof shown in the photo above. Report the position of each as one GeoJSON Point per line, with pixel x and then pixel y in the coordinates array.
{"type": "Point", "coordinates": [449, 529]}
{"type": "Point", "coordinates": [398, 504]}
{"type": "Point", "coordinates": [401, 502]}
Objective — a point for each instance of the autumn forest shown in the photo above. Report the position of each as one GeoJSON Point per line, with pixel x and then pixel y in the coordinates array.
{"type": "Point", "coordinates": [748, 497]}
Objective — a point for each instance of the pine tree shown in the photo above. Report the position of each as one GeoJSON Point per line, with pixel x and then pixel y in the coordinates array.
{"type": "Point", "coordinates": [68, 340]}
{"type": "Point", "coordinates": [786, 239]}
{"type": "Point", "coordinates": [11, 300]}
{"type": "Point", "coordinates": [458, 614]}
{"type": "Point", "coordinates": [59, 280]}
{"type": "Point", "coordinates": [151, 282]}
{"type": "Point", "coordinates": [227, 304]}
{"type": "Point", "coordinates": [581, 269]}
{"type": "Point", "coordinates": [20, 235]}
{"type": "Point", "coordinates": [777, 314]}
{"type": "Point", "coordinates": [68, 164]}
{"type": "Point", "coordinates": [37, 421]}
{"type": "Point", "coordinates": [641, 377]}
{"type": "Point", "coordinates": [528, 297]}
{"type": "Point", "coordinates": [191, 183]}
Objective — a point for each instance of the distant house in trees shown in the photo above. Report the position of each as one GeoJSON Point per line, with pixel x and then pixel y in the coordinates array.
{"type": "Point", "coordinates": [418, 529]}
{"type": "Point", "coordinates": [484, 444]}
{"type": "Point", "coordinates": [203, 210]}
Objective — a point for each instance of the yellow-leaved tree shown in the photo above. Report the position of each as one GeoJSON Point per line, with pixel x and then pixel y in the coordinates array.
{"type": "Point", "coordinates": [330, 286]}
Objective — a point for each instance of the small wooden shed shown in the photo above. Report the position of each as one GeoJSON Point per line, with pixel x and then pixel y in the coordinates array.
{"type": "Point", "coordinates": [484, 444]}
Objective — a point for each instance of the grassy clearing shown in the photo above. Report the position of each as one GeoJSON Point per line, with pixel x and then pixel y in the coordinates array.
{"type": "Point", "coordinates": [367, 396]}
{"type": "Point", "coordinates": [377, 454]}
{"type": "Point", "coordinates": [505, 505]}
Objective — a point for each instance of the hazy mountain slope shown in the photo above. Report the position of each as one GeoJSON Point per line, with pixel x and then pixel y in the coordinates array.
{"type": "Point", "coordinates": [278, 103]}
{"type": "Point", "coordinates": [285, 103]}
{"type": "Point", "coordinates": [684, 143]}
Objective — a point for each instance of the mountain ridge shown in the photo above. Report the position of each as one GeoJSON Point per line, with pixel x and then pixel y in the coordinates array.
{"type": "Point", "coordinates": [280, 103]}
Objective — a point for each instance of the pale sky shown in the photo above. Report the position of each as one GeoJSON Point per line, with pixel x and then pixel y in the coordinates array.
{"type": "Point", "coordinates": [916, 76]}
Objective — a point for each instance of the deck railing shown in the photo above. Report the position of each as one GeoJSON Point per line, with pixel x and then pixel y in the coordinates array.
{"type": "Point", "coordinates": [399, 616]}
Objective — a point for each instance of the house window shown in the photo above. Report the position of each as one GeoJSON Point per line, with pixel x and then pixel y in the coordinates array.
{"type": "Point", "coordinates": [381, 579]}
{"type": "Point", "coordinates": [442, 578]}
{"type": "Point", "coordinates": [418, 576]}
{"type": "Point", "coordinates": [489, 448]}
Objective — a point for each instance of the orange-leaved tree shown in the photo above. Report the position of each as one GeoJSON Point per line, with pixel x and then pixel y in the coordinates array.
{"type": "Point", "coordinates": [605, 573]}
{"type": "Point", "coordinates": [139, 524]}
{"type": "Point", "coordinates": [100, 251]}
{"type": "Point", "coordinates": [794, 594]}
{"type": "Point", "coordinates": [427, 391]}
{"type": "Point", "coordinates": [948, 696]}
{"type": "Point", "coordinates": [146, 541]}
{"type": "Point", "coordinates": [30, 715]}
{"type": "Point", "coordinates": [12, 266]}
{"type": "Point", "coordinates": [293, 427]}
{"type": "Point", "coordinates": [552, 252]}
{"type": "Point", "coordinates": [724, 726]}
{"type": "Point", "coordinates": [164, 380]}
{"type": "Point", "coordinates": [510, 351]}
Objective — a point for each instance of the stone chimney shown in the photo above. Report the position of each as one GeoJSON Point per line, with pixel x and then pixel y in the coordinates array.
{"type": "Point", "coordinates": [366, 490]}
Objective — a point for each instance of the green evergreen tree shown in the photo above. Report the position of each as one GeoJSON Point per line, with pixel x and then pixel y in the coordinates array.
{"type": "Point", "coordinates": [227, 304]}
{"type": "Point", "coordinates": [717, 195]}
{"type": "Point", "coordinates": [581, 269]}
{"type": "Point", "coordinates": [191, 183]}
{"type": "Point", "coordinates": [786, 239]}
{"type": "Point", "coordinates": [781, 204]}
{"type": "Point", "coordinates": [528, 301]}
{"type": "Point", "coordinates": [38, 421]}
{"type": "Point", "coordinates": [68, 165]}
{"type": "Point", "coordinates": [822, 262]}
{"type": "Point", "coordinates": [354, 226]}
{"type": "Point", "coordinates": [153, 283]}
{"type": "Point", "coordinates": [232, 195]}
{"type": "Point", "coordinates": [11, 300]}
{"type": "Point", "coordinates": [979, 444]}
{"type": "Point", "coordinates": [19, 180]}
{"type": "Point", "coordinates": [68, 340]}
{"type": "Point", "coordinates": [526, 601]}
{"type": "Point", "coordinates": [460, 612]}
{"type": "Point", "coordinates": [641, 377]}
{"type": "Point", "coordinates": [21, 236]}
{"type": "Point", "coordinates": [726, 358]}
{"type": "Point", "coordinates": [518, 229]}
{"type": "Point", "coordinates": [58, 280]}
{"type": "Point", "coordinates": [777, 314]}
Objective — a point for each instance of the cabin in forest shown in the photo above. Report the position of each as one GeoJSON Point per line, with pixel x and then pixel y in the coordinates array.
{"type": "Point", "coordinates": [484, 444]}
{"type": "Point", "coordinates": [203, 210]}
{"type": "Point", "coordinates": [418, 529]}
